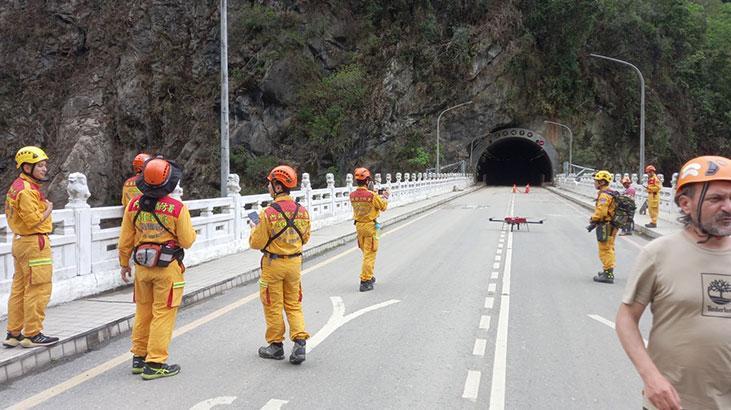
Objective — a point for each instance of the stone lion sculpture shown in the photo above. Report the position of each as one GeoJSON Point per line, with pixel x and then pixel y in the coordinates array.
{"type": "Point", "coordinates": [78, 191]}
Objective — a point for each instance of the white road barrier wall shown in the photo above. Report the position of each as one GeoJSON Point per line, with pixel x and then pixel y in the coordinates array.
{"type": "Point", "coordinates": [84, 239]}
{"type": "Point", "coordinates": [584, 185]}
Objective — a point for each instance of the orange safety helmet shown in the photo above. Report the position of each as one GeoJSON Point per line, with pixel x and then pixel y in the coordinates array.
{"type": "Point", "coordinates": [704, 169]}
{"type": "Point", "coordinates": [139, 161]}
{"type": "Point", "coordinates": [156, 172]}
{"type": "Point", "coordinates": [284, 174]}
{"type": "Point", "coordinates": [361, 174]}
{"type": "Point", "coordinates": [650, 168]}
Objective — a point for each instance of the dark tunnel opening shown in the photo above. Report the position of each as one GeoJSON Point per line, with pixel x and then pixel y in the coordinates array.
{"type": "Point", "coordinates": [517, 160]}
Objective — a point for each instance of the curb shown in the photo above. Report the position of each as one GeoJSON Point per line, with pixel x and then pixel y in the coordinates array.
{"type": "Point", "coordinates": [640, 229]}
{"type": "Point", "coordinates": [40, 358]}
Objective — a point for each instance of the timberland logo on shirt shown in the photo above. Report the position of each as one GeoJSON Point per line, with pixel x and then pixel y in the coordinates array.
{"type": "Point", "coordinates": [716, 295]}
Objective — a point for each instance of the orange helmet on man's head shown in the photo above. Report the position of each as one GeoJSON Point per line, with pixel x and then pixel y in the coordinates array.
{"type": "Point", "coordinates": [159, 177]}
{"type": "Point", "coordinates": [361, 174]}
{"type": "Point", "coordinates": [704, 169]}
{"type": "Point", "coordinates": [139, 161]}
{"type": "Point", "coordinates": [156, 172]}
{"type": "Point", "coordinates": [284, 174]}
{"type": "Point", "coordinates": [650, 168]}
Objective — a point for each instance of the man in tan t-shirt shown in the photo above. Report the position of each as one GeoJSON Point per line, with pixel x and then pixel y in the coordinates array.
{"type": "Point", "coordinates": [686, 277]}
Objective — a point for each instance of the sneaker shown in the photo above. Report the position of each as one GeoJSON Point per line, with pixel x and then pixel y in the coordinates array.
{"type": "Point", "coordinates": [606, 276]}
{"type": "Point", "coordinates": [12, 341]}
{"type": "Point", "coordinates": [651, 225]}
{"type": "Point", "coordinates": [273, 351]}
{"type": "Point", "coordinates": [366, 286]}
{"type": "Point", "coordinates": [157, 370]}
{"type": "Point", "coordinates": [138, 364]}
{"type": "Point", "coordinates": [38, 340]}
{"type": "Point", "coordinates": [298, 352]}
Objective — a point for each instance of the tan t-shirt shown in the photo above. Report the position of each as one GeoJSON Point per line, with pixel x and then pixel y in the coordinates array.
{"type": "Point", "coordinates": [689, 291]}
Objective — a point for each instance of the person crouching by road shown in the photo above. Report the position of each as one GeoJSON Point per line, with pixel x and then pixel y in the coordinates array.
{"type": "Point", "coordinates": [155, 230]}
{"type": "Point", "coordinates": [629, 191]}
{"type": "Point", "coordinates": [280, 234]}
{"type": "Point", "coordinates": [367, 205]}
{"type": "Point", "coordinates": [601, 220]}
{"type": "Point", "coordinates": [129, 189]}
{"type": "Point", "coordinates": [29, 217]}
{"type": "Point", "coordinates": [686, 277]}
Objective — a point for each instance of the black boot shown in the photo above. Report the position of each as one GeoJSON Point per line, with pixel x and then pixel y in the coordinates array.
{"type": "Point", "coordinates": [273, 351]}
{"type": "Point", "coordinates": [651, 225]}
{"type": "Point", "coordinates": [138, 364]}
{"type": "Point", "coordinates": [606, 276]}
{"type": "Point", "coordinates": [366, 286]}
{"type": "Point", "coordinates": [298, 352]}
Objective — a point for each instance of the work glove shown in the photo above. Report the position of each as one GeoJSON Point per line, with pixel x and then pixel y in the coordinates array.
{"type": "Point", "coordinates": [591, 227]}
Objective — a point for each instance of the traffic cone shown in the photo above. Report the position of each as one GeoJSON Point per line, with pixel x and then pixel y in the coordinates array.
{"type": "Point", "coordinates": [527, 188]}
{"type": "Point", "coordinates": [515, 189]}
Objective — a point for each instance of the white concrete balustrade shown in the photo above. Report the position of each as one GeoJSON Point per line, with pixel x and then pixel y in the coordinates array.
{"type": "Point", "coordinates": [584, 185]}
{"type": "Point", "coordinates": [84, 239]}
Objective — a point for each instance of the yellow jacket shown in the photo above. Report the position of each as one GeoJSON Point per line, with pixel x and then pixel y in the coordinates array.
{"type": "Point", "coordinates": [130, 190]}
{"type": "Point", "coordinates": [24, 207]}
{"type": "Point", "coordinates": [272, 222]}
{"type": "Point", "coordinates": [171, 212]}
{"type": "Point", "coordinates": [604, 207]}
{"type": "Point", "coordinates": [653, 185]}
{"type": "Point", "coordinates": [367, 205]}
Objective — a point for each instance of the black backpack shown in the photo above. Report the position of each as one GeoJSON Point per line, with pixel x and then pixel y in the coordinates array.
{"type": "Point", "coordinates": [624, 209]}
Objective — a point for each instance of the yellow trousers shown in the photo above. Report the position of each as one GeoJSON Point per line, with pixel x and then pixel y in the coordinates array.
{"type": "Point", "coordinates": [606, 251]}
{"type": "Point", "coordinates": [31, 288]}
{"type": "Point", "coordinates": [280, 287]}
{"type": "Point", "coordinates": [368, 238]}
{"type": "Point", "coordinates": [653, 207]}
{"type": "Point", "coordinates": [158, 293]}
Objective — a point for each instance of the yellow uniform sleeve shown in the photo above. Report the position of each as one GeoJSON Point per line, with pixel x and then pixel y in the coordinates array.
{"type": "Point", "coordinates": [126, 238]}
{"type": "Point", "coordinates": [184, 229]}
{"type": "Point", "coordinates": [260, 234]}
{"type": "Point", "coordinates": [125, 200]}
{"type": "Point", "coordinates": [30, 208]}
{"type": "Point", "coordinates": [601, 209]}
{"type": "Point", "coordinates": [379, 203]}
{"type": "Point", "coordinates": [306, 231]}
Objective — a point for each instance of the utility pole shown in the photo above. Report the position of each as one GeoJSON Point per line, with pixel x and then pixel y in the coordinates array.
{"type": "Point", "coordinates": [224, 98]}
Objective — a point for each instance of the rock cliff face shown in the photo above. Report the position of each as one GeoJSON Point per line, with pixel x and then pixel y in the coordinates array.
{"type": "Point", "coordinates": [324, 86]}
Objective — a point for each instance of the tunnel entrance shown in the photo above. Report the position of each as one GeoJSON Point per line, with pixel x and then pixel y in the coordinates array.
{"type": "Point", "coordinates": [515, 160]}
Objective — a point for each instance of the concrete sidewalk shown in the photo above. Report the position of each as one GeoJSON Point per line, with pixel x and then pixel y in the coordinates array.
{"type": "Point", "coordinates": [87, 323]}
{"type": "Point", "coordinates": [666, 224]}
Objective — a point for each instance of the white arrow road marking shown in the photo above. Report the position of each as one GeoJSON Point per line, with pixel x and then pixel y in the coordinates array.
{"type": "Point", "coordinates": [211, 403]}
{"type": "Point", "coordinates": [608, 323]}
{"type": "Point", "coordinates": [274, 404]}
{"type": "Point", "coordinates": [338, 319]}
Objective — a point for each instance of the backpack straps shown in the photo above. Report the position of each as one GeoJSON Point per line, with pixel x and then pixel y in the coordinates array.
{"type": "Point", "coordinates": [290, 224]}
{"type": "Point", "coordinates": [154, 215]}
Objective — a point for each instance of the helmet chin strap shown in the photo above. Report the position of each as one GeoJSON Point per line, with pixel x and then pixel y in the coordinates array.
{"type": "Point", "coordinates": [697, 224]}
{"type": "Point", "coordinates": [33, 168]}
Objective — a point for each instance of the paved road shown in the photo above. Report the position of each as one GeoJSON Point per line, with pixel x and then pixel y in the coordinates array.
{"type": "Point", "coordinates": [441, 330]}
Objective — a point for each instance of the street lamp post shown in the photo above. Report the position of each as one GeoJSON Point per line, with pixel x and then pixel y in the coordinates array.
{"type": "Point", "coordinates": [571, 141]}
{"type": "Point", "coordinates": [224, 98]}
{"type": "Point", "coordinates": [642, 107]}
{"type": "Point", "coordinates": [438, 120]}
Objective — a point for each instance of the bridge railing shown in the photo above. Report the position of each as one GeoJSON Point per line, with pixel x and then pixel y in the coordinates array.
{"type": "Point", "coordinates": [84, 239]}
{"type": "Point", "coordinates": [584, 185]}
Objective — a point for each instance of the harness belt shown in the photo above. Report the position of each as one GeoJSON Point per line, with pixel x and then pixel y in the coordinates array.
{"type": "Point", "coordinates": [276, 256]}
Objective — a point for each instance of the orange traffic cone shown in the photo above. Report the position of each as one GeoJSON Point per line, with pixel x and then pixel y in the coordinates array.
{"type": "Point", "coordinates": [527, 188]}
{"type": "Point", "coordinates": [515, 189]}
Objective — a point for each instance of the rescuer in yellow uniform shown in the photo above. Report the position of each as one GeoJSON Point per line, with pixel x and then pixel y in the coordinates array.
{"type": "Point", "coordinates": [606, 233]}
{"type": "Point", "coordinates": [29, 217]}
{"type": "Point", "coordinates": [129, 189]}
{"type": "Point", "coordinates": [282, 230]}
{"type": "Point", "coordinates": [367, 205]}
{"type": "Point", "coordinates": [155, 229]}
{"type": "Point", "coordinates": [653, 195]}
